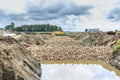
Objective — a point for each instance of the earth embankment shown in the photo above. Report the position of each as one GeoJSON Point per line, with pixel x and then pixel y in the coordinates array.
{"type": "Point", "coordinates": [16, 62]}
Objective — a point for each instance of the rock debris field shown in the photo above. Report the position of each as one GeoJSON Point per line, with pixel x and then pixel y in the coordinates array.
{"type": "Point", "coordinates": [60, 48]}
{"type": "Point", "coordinates": [56, 53]}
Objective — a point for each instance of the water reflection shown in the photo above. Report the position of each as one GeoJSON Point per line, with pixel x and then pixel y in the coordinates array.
{"type": "Point", "coordinates": [76, 72]}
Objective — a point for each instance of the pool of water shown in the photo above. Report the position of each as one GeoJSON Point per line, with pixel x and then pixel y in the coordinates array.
{"type": "Point", "coordinates": [76, 72]}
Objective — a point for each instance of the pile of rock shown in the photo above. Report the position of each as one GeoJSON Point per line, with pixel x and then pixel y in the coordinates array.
{"type": "Point", "coordinates": [62, 40]}
{"type": "Point", "coordinates": [62, 52]}
{"type": "Point", "coordinates": [45, 36]}
{"type": "Point", "coordinates": [31, 39]}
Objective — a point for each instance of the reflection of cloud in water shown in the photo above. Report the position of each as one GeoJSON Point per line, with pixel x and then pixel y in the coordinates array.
{"type": "Point", "coordinates": [76, 72]}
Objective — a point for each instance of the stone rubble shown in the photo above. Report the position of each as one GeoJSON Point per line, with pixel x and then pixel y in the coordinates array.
{"type": "Point", "coordinates": [65, 48]}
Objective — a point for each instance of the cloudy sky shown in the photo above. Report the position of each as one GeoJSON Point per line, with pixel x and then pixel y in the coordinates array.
{"type": "Point", "coordinates": [71, 15]}
{"type": "Point", "coordinates": [76, 72]}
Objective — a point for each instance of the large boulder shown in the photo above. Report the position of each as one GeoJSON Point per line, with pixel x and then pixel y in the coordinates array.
{"type": "Point", "coordinates": [17, 63]}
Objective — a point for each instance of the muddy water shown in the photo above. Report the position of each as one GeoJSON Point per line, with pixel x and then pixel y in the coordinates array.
{"type": "Point", "coordinates": [79, 70]}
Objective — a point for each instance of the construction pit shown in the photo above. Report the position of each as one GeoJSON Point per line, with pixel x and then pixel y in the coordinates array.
{"type": "Point", "coordinates": [64, 48]}
{"type": "Point", "coordinates": [86, 49]}
{"type": "Point", "coordinates": [81, 48]}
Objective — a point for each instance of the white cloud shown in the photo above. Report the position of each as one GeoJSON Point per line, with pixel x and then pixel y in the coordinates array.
{"type": "Point", "coordinates": [16, 6]}
{"type": "Point", "coordinates": [76, 72]}
{"type": "Point", "coordinates": [96, 19]}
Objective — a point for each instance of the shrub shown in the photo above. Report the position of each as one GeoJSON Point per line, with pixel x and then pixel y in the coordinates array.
{"type": "Point", "coordinates": [116, 46]}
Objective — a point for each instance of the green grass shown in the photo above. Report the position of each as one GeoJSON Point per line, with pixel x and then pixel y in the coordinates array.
{"type": "Point", "coordinates": [118, 33]}
{"type": "Point", "coordinates": [118, 42]}
{"type": "Point", "coordinates": [116, 46]}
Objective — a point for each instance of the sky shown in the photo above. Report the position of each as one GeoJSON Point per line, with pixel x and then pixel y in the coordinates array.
{"type": "Point", "coordinates": [71, 15]}
{"type": "Point", "coordinates": [76, 72]}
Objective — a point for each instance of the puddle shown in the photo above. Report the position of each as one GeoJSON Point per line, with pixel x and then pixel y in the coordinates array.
{"type": "Point", "coordinates": [76, 72]}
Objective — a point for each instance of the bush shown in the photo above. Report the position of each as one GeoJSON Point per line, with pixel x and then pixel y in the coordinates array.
{"type": "Point", "coordinates": [116, 46]}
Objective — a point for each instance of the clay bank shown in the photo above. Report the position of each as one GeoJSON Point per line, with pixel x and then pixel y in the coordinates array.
{"type": "Point", "coordinates": [16, 62]}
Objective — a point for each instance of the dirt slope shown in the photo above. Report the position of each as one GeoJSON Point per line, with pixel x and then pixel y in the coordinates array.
{"type": "Point", "coordinates": [18, 63]}
{"type": "Point", "coordinates": [93, 39]}
{"type": "Point", "coordinates": [31, 39]}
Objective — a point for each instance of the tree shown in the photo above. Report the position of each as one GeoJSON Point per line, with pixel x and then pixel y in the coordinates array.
{"type": "Point", "coordinates": [60, 29]}
{"type": "Point", "coordinates": [34, 28]}
{"type": "Point", "coordinates": [10, 27]}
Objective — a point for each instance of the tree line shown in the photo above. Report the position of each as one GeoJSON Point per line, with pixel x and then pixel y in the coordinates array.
{"type": "Point", "coordinates": [33, 28]}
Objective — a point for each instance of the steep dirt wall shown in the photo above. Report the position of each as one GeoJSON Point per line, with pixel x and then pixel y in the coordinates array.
{"type": "Point", "coordinates": [18, 63]}
{"type": "Point", "coordinates": [115, 60]}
